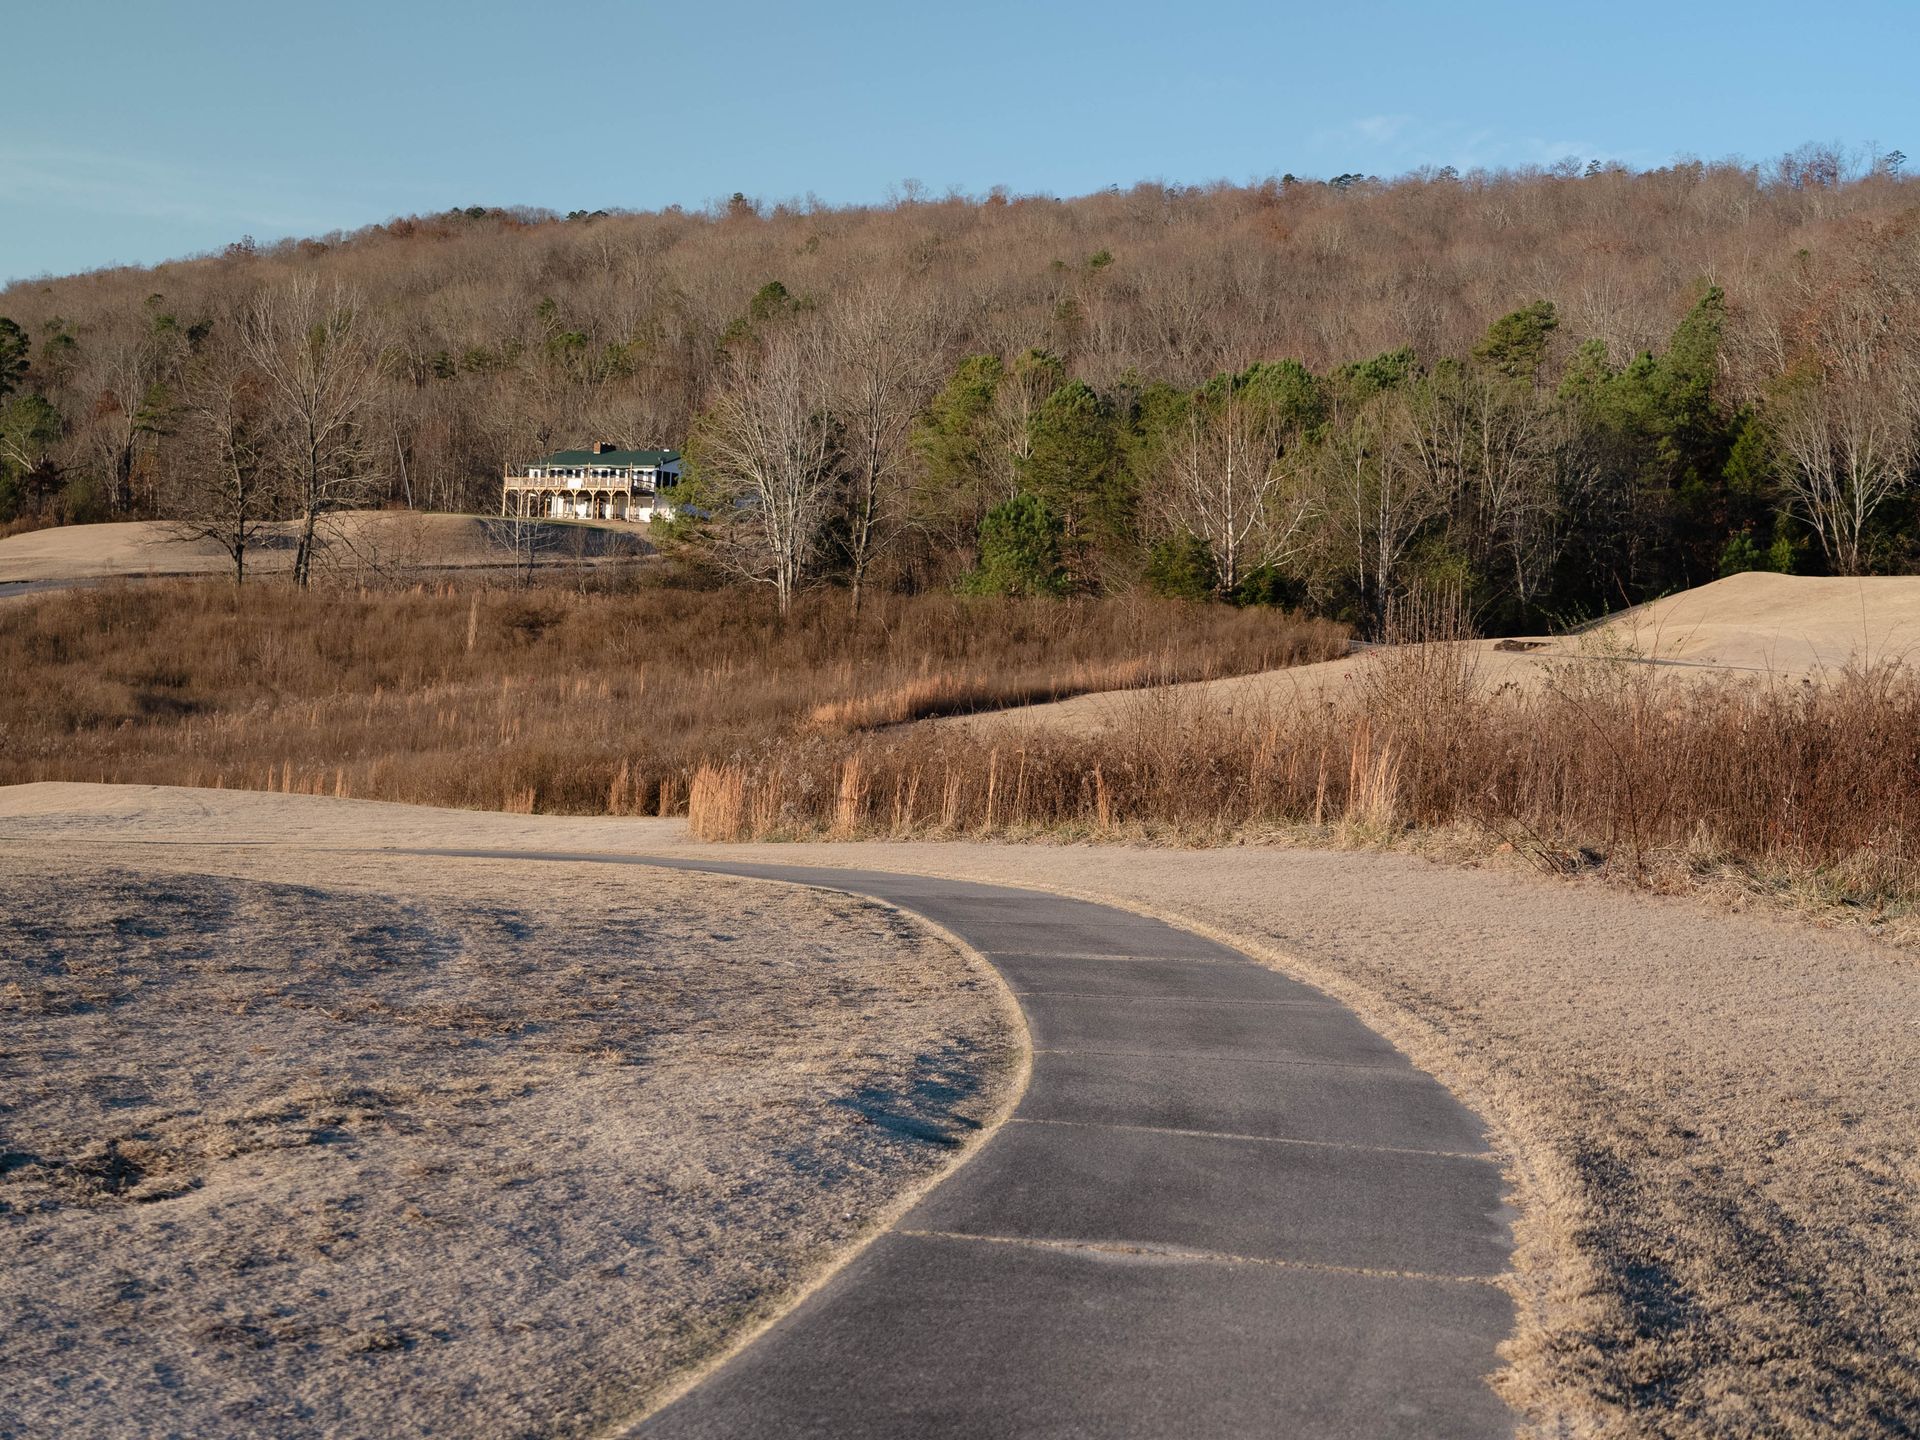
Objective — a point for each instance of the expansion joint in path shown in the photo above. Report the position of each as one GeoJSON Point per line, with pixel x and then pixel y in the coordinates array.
{"type": "Point", "coordinates": [1180, 1254]}
{"type": "Point", "coordinates": [1262, 1139]}
{"type": "Point", "coordinates": [1223, 1059]}
{"type": "Point", "coordinates": [1233, 1000]}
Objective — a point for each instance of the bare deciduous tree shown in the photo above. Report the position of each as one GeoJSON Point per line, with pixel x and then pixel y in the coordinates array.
{"type": "Point", "coordinates": [1849, 450]}
{"type": "Point", "coordinates": [1481, 443]}
{"type": "Point", "coordinates": [527, 539]}
{"type": "Point", "coordinates": [1519, 499]}
{"type": "Point", "coordinates": [1848, 423]}
{"type": "Point", "coordinates": [882, 354]}
{"type": "Point", "coordinates": [767, 457]}
{"type": "Point", "coordinates": [1031, 377]}
{"type": "Point", "coordinates": [318, 357]}
{"type": "Point", "coordinates": [223, 491]}
{"type": "Point", "coordinates": [1375, 497]}
{"type": "Point", "coordinates": [1224, 480]}
{"type": "Point", "coordinates": [126, 374]}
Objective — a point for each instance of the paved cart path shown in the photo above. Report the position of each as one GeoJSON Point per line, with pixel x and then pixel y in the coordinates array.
{"type": "Point", "coordinates": [1223, 1207]}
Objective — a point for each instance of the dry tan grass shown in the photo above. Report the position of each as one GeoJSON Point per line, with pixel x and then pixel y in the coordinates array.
{"type": "Point", "coordinates": [551, 699]}
{"type": "Point", "coordinates": [1303, 642]}
{"type": "Point", "coordinates": [929, 695]}
{"type": "Point", "coordinates": [301, 1144]}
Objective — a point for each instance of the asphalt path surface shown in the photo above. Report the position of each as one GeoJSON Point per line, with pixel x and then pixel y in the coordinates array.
{"type": "Point", "coordinates": [1222, 1207]}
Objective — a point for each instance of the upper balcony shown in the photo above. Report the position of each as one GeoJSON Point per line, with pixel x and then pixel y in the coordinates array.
{"type": "Point", "coordinates": [605, 467]}
{"type": "Point", "coordinates": [633, 480]}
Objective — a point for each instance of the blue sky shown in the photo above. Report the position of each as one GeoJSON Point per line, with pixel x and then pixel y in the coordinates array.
{"type": "Point", "coordinates": [137, 131]}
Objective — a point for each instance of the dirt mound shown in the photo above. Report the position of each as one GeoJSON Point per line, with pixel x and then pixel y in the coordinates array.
{"type": "Point", "coordinates": [354, 541]}
{"type": "Point", "coordinates": [1788, 624]}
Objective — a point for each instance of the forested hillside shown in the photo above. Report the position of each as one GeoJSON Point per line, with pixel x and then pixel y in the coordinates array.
{"type": "Point", "coordinates": [1560, 390]}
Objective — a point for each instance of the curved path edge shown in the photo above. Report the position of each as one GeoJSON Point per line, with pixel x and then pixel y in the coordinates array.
{"type": "Point", "coordinates": [1222, 1206]}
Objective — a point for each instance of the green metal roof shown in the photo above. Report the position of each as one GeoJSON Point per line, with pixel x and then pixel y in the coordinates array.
{"type": "Point", "coordinates": [610, 457]}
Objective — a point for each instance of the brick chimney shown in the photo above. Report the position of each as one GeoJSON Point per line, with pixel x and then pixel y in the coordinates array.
{"type": "Point", "coordinates": [601, 447]}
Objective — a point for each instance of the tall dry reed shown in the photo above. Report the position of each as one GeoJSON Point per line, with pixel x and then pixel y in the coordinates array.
{"type": "Point", "coordinates": [1614, 763]}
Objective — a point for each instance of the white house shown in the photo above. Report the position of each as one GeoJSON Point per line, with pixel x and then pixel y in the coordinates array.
{"type": "Point", "coordinates": [604, 483]}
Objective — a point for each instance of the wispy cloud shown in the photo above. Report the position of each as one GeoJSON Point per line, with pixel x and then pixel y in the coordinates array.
{"type": "Point", "coordinates": [1380, 129]}
{"type": "Point", "coordinates": [42, 175]}
{"type": "Point", "coordinates": [78, 206]}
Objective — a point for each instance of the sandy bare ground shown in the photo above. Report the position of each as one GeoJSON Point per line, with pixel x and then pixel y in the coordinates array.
{"type": "Point", "coordinates": [308, 1144]}
{"type": "Point", "coordinates": [1790, 628]}
{"type": "Point", "coordinates": [1782, 624]}
{"type": "Point", "coordinates": [1708, 1114]}
{"type": "Point", "coordinates": [354, 542]}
